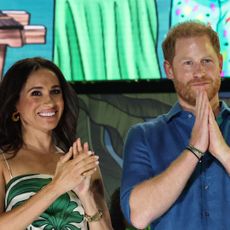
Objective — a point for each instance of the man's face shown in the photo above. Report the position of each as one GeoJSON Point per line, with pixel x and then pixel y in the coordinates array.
{"type": "Point", "coordinates": [195, 67]}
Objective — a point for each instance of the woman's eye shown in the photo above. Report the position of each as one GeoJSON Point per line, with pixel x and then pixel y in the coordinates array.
{"type": "Point", "coordinates": [56, 91]}
{"type": "Point", "coordinates": [36, 93]}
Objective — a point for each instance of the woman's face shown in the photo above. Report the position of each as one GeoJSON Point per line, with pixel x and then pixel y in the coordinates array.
{"type": "Point", "coordinates": [41, 102]}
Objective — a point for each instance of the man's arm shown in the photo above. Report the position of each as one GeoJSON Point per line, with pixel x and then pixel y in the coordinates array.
{"type": "Point", "coordinates": [218, 146]}
{"type": "Point", "coordinates": [152, 197]}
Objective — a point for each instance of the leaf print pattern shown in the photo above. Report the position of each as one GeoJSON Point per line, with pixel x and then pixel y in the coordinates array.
{"type": "Point", "coordinates": [66, 213]}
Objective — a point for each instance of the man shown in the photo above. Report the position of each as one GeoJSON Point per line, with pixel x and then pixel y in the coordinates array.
{"type": "Point", "coordinates": [176, 167]}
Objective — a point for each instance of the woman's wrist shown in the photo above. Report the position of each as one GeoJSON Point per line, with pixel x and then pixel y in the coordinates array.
{"type": "Point", "coordinates": [54, 189]}
{"type": "Point", "coordinates": [89, 203]}
{"type": "Point", "coordinates": [95, 217]}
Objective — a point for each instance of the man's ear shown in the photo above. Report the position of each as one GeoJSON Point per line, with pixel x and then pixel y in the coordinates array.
{"type": "Point", "coordinates": [168, 70]}
{"type": "Point", "coordinates": [220, 63]}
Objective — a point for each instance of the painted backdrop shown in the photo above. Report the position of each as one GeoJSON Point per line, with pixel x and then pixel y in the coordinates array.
{"type": "Point", "coordinates": [93, 40]}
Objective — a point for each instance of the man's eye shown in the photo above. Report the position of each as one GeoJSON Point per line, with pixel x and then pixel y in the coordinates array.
{"type": "Point", "coordinates": [188, 63]}
{"type": "Point", "coordinates": [206, 61]}
{"type": "Point", "coordinates": [56, 91]}
{"type": "Point", "coordinates": [36, 93]}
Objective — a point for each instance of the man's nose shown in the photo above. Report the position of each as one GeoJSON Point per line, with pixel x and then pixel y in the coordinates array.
{"type": "Point", "coordinates": [198, 70]}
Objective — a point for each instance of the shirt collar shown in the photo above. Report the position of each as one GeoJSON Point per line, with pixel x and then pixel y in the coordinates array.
{"type": "Point", "coordinates": [224, 111]}
{"type": "Point", "coordinates": [224, 108]}
{"type": "Point", "coordinates": [176, 109]}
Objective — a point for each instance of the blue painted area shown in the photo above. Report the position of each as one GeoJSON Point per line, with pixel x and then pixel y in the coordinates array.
{"type": "Point", "coordinates": [110, 149]}
{"type": "Point", "coordinates": [41, 13]}
{"type": "Point", "coordinates": [163, 12]}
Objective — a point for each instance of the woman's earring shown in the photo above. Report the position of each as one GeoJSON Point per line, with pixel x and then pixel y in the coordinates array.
{"type": "Point", "coordinates": [15, 117]}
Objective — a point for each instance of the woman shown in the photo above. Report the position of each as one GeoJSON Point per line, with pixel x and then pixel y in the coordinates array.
{"type": "Point", "coordinates": [48, 179]}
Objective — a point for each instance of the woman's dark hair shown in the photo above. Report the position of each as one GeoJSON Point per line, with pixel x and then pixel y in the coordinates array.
{"type": "Point", "coordinates": [117, 217]}
{"type": "Point", "coordinates": [10, 88]}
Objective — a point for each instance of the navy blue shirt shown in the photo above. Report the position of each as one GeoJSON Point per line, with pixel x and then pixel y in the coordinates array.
{"type": "Point", "coordinates": [149, 149]}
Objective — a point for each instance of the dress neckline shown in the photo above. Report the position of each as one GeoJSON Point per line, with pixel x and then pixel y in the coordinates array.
{"type": "Point", "coordinates": [26, 175]}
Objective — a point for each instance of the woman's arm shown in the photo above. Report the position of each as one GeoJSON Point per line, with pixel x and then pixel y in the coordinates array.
{"type": "Point", "coordinates": [65, 179]}
{"type": "Point", "coordinates": [91, 191]}
{"type": "Point", "coordinates": [25, 214]}
{"type": "Point", "coordinates": [94, 202]}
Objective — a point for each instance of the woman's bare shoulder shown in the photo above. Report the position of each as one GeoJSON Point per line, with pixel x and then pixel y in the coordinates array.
{"type": "Point", "coordinates": [3, 167]}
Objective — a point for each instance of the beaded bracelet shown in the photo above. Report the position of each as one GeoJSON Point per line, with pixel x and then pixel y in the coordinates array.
{"type": "Point", "coordinates": [96, 217]}
{"type": "Point", "coordinates": [199, 154]}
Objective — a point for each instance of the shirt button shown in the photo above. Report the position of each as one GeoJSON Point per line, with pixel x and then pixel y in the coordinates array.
{"type": "Point", "coordinates": [206, 213]}
{"type": "Point", "coordinates": [206, 187]}
{"type": "Point", "coordinates": [190, 115]}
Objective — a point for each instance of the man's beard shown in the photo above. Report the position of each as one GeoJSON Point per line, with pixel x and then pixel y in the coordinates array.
{"type": "Point", "coordinates": [188, 93]}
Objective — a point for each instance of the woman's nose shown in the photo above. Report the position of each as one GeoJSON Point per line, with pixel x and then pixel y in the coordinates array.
{"type": "Point", "coordinates": [48, 100]}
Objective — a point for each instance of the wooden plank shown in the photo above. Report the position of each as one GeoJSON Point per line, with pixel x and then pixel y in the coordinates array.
{"type": "Point", "coordinates": [20, 16]}
{"type": "Point", "coordinates": [2, 59]}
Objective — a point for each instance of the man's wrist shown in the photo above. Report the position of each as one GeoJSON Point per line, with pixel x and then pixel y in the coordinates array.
{"type": "Point", "coordinates": [198, 153]}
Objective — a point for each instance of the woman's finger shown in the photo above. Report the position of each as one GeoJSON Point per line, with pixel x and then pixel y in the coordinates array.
{"type": "Point", "coordinates": [67, 156]}
{"type": "Point", "coordinates": [86, 147]}
{"type": "Point", "coordinates": [79, 146]}
{"type": "Point", "coordinates": [89, 172]}
{"type": "Point", "coordinates": [75, 151]}
{"type": "Point", "coordinates": [87, 164]}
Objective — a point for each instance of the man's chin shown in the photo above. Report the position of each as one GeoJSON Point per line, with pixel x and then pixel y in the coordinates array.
{"type": "Point", "coordinates": [191, 102]}
{"type": "Point", "coordinates": [190, 99]}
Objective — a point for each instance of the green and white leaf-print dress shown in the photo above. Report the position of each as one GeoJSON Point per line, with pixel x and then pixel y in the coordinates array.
{"type": "Point", "coordinates": [66, 213]}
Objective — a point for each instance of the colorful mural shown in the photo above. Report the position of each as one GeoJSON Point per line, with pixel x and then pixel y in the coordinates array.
{"type": "Point", "coordinates": [113, 39]}
{"type": "Point", "coordinates": [92, 40]}
{"type": "Point", "coordinates": [216, 13]}
{"type": "Point", "coordinates": [15, 32]}
{"type": "Point", "coordinates": [106, 40]}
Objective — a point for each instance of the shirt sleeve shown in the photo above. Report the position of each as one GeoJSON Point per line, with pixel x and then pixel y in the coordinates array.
{"type": "Point", "coordinates": [136, 165]}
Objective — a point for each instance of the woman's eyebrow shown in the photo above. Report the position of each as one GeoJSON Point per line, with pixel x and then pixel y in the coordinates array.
{"type": "Point", "coordinates": [40, 87]}
{"type": "Point", "coordinates": [34, 87]}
